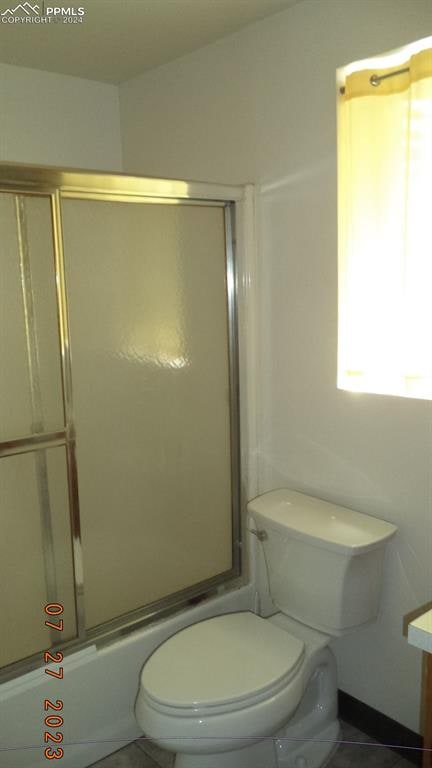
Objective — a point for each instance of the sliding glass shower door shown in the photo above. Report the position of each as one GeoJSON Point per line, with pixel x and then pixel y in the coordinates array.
{"type": "Point", "coordinates": [35, 540]}
{"type": "Point", "coordinates": [119, 438]}
{"type": "Point", "coordinates": [149, 340]}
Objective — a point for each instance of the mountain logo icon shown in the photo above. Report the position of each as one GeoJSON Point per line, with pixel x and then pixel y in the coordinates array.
{"type": "Point", "coordinates": [23, 8]}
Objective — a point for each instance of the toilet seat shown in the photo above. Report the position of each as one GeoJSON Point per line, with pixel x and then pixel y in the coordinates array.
{"type": "Point", "coordinates": [220, 664]}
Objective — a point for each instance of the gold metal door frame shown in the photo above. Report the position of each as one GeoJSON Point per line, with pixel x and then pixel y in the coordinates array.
{"type": "Point", "coordinates": [56, 184]}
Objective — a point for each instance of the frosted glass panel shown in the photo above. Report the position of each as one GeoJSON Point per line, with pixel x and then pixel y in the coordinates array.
{"type": "Point", "coordinates": [23, 589]}
{"type": "Point", "coordinates": [149, 338]}
{"type": "Point", "coordinates": [30, 375]}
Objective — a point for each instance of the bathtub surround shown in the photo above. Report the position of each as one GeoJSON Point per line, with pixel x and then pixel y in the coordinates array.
{"type": "Point", "coordinates": [90, 729]}
{"type": "Point", "coordinates": [261, 106]}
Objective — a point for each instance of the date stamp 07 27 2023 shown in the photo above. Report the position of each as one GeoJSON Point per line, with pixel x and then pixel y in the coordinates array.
{"type": "Point", "coordinates": [54, 611]}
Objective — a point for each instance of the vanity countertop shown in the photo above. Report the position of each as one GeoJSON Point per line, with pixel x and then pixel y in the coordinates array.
{"type": "Point", "coordinates": [417, 628]}
{"type": "Point", "coordinates": [420, 632]}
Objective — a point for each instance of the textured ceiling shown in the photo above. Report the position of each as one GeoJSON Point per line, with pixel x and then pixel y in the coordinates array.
{"type": "Point", "coordinates": [119, 39]}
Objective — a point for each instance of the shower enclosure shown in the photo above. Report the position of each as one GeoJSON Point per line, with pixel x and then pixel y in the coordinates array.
{"type": "Point", "coordinates": [119, 427]}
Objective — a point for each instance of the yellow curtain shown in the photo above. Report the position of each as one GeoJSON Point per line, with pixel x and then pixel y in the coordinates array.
{"type": "Point", "coordinates": [385, 231]}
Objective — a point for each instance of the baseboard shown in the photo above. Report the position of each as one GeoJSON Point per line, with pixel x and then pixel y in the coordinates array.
{"type": "Point", "coordinates": [380, 727]}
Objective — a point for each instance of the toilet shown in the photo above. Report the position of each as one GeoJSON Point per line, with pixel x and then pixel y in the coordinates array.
{"type": "Point", "coordinates": [246, 691]}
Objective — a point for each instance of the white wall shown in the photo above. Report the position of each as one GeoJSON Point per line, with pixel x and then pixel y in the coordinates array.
{"type": "Point", "coordinates": [50, 119]}
{"type": "Point", "coordinates": [259, 106]}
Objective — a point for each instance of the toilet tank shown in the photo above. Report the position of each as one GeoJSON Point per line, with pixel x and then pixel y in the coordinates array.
{"type": "Point", "coordinates": [324, 562]}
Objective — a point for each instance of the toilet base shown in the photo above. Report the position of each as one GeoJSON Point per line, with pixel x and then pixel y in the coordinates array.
{"type": "Point", "coordinates": [271, 753]}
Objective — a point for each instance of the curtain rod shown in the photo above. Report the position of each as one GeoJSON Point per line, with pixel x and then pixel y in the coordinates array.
{"type": "Point", "coordinates": [376, 79]}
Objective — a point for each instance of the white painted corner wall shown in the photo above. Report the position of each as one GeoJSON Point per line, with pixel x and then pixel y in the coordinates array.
{"type": "Point", "coordinates": [260, 106]}
{"type": "Point", "coordinates": [51, 119]}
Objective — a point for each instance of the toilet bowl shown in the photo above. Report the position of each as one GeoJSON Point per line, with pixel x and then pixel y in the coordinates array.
{"type": "Point", "coordinates": [242, 678]}
{"type": "Point", "coordinates": [243, 691]}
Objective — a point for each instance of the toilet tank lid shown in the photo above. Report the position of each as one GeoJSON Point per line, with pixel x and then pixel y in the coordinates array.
{"type": "Point", "coordinates": [320, 522]}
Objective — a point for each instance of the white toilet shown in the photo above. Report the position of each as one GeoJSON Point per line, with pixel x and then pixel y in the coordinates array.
{"type": "Point", "coordinates": [241, 691]}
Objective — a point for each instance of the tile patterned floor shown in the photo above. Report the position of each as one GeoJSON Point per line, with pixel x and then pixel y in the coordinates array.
{"type": "Point", "coordinates": [367, 754]}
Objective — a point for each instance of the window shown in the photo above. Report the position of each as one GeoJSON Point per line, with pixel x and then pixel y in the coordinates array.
{"type": "Point", "coordinates": [385, 224]}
